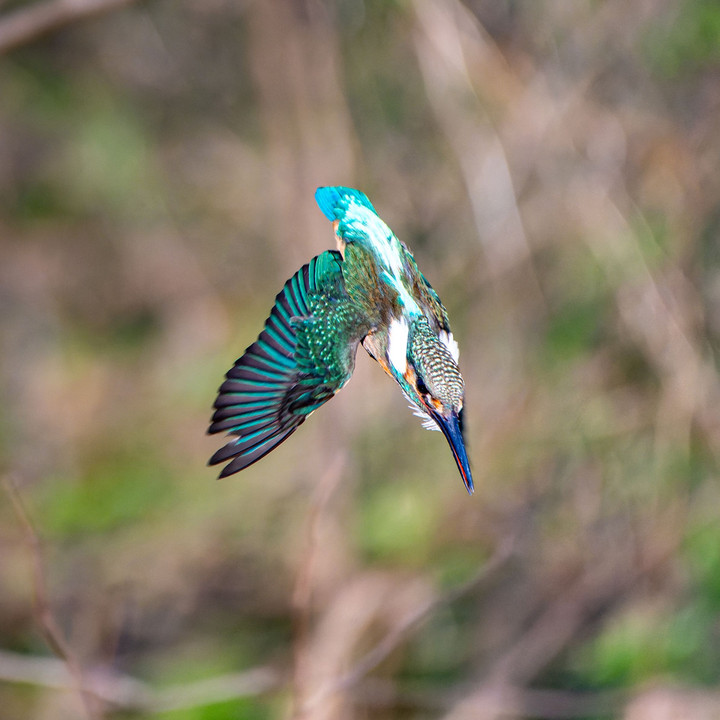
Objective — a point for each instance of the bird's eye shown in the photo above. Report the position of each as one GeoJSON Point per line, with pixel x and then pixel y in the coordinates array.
{"type": "Point", "coordinates": [422, 387]}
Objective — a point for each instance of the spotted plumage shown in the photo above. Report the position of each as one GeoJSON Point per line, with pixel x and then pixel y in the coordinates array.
{"type": "Point", "coordinates": [369, 291]}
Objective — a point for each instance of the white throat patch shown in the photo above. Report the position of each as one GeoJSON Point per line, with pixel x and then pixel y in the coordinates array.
{"type": "Point", "coordinates": [397, 344]}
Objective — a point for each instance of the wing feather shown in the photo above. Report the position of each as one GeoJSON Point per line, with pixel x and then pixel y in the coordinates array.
{"type": "Point", "coordinates": [283, 376]}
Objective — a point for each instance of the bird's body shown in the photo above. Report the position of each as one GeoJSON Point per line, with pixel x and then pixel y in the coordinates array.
{"type": "Point", "coordinates": [370, 291]}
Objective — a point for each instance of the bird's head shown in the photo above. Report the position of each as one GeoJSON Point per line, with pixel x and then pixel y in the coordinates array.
{"type": "Point", "coordinates": [424, 367]}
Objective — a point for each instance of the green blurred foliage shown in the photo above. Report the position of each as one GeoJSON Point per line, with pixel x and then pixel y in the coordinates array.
{"type": "Point", "coordinates": [688, 40]}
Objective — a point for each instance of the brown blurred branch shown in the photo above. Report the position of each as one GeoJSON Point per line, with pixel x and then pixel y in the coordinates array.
{"type": "Point", "coordinates": [29, 23]}
{"type": "Point", "coordinates": [46, 620]}
{"type": "Point", "coordinates": [53, 673]}
{"type": "Point", "coordinates": [302, 592]}
{"type": "Point", "coordinates": [129, 693]}
{"type": "Point", "coordinates": [477, 144]}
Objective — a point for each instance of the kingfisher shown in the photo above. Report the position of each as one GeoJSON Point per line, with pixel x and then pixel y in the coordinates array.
{"type": "Point", "coordinates": [369, 291]}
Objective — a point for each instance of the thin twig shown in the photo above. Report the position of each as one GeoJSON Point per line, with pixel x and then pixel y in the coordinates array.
{"type": "Point", "coordinates": [302, 592]}
{"type": "Point", "coordinates": [33, 21]}
{"type": "Point", "coordinates": [46, 620]}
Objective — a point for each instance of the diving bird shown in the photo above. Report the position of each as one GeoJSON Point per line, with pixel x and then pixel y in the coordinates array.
{"type": "Point", "coordinates": [370, 292]}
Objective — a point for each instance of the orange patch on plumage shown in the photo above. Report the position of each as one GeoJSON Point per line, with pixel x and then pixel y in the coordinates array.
{"type": "Point", "coordinates": [410, 375]}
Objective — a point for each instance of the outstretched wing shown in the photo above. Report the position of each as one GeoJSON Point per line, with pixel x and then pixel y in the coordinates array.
{"type": "Point", "coordinates": [305, 354]}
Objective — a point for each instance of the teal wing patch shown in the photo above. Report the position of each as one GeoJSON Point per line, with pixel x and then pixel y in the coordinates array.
{"type": "Point", "coordinates": [294, 366]}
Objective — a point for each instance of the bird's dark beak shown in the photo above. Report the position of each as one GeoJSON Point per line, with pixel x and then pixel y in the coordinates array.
{"type": "Point", "coordinates": [452, 427]}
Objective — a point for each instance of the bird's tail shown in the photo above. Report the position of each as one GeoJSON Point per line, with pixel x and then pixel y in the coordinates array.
{"type": "Point", "coordinates": [334, 201]}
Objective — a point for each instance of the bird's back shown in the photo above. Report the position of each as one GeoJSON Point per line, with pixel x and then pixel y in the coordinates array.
{"type": "Point", "coordinates": [381, 275]}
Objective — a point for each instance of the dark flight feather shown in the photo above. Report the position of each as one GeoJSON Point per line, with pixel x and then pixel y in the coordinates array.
{"type": "Point", "coordinates": [287, 372]}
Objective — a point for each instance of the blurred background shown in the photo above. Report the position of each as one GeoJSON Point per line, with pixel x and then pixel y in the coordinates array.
{"type": "Point", "coordinates": [555, 167]}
